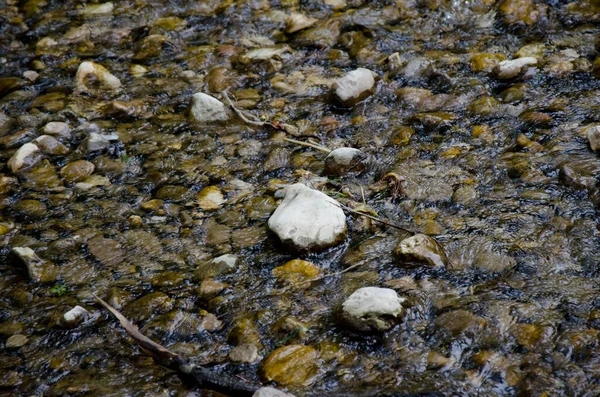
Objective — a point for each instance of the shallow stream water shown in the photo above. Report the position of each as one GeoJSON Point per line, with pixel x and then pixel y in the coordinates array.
{"type": "Point", "coordinates": [500, 172]}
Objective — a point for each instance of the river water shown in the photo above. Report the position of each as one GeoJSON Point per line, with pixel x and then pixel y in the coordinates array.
{"type": "Point", "coordinates": [498, 171]}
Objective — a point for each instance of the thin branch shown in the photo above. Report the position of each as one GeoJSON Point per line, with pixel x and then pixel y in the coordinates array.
{"type": "Point", "coordinates": [308, 144]}
{"type": "Point", "coordinates": [382, 221]}
{"type": "Point", "coordinates": [243, 116]}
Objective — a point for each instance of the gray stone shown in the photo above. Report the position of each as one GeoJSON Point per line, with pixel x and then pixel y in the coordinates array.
{"type": "Point", "coordinates": [344, 160]}
{"type": "Point", "coordinates": [206, 109]}
{"type": "Point", "coordinates": [353, 87]}
{"type": "Point", "coordinates": [95, 142]}
{"type": "Point", "coordinates": [6, 124]}
{"type": "Point", "coordinates": [57, 129]}
{"type": "Point", "coordinates": [372, 309]}
{"type": "Point", "coordinates": [308, 220]}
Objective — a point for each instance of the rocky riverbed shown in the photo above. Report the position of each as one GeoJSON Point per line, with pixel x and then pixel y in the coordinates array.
{"type": "Point", "coordinates": [203, 167]}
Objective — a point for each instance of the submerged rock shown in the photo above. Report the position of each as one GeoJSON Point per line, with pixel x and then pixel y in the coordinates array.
{"type": "Point", "coordinates": [353, 87]}
{"type": "Point", "coordinates": [344, 160]}
{"type": "Point", "coordinates": [296, 271]}
{"type": "Point", "coordinates": [506, 70]}
{"type": "Point", "coordinates": [74, 317]}
{"type": "Point", "coordinates": [77, 171]}
{"type": "Point", "coordinates": [210, 198]}
{"type": "Point", "coordinates": [372, 309]}
{"type": "Point", "coordinates": [39, 270]}
{"type": "Point", "coordinates": [308, 219]}
{"type": "Point", "coordinates": [224, 264]}
{"type": "Point", "coordinates": [49, 145]}
{"type": "Point", "coordinates": [28, 155]}
{"type": "Point", "coordinates": [293, 365]}
{"type": "Point", "coordinates": [422, 249]}
{"type": "Point", "coordinates": [206, 109]}
{"type": "Point", "coordinates": [244, 353]}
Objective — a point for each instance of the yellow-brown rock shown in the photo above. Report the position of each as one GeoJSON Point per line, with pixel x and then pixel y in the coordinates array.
{"type": "Point", "coordinates": [296, 271]}
{"type": "Point", "coordinates": [293, 365]}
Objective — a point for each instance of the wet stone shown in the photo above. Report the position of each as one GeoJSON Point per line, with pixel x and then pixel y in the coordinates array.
{"type": "Point", "coordinates": [27, 156]}
{"type": "Point", "coordinates": [422, 249]}
{"type": "Point", "coordinates": [296, 271]}
{"type": "Point", "coordinates": [222, 265]}
{"type": "Point", "coordinates": [372, 309]}
{"type": "Point", "coordinates": [144, 307]}
{"type": "Point", "coordinates": [593, 135]}
{"type": "Point", "coordinates": [271, 392]}
{"type": "Point", "coordinates": [95, 142]}
{"type": "Point", "coordinates": [210, 288]}
{"type": "Point", "coordinates": [345, 161]}
{"type": "Point", "coordinates": [293, 365]}
{"type": "Point", "coordinates": [77, 171]}
{"type": "Point", "coordinates": [39, 270]}
{"type": "Point", "coordinates": [210, 198]}
{"type": "Point", "coordinates": [245, 353]}
{"type": "Point", "coordinates": [57, 129]}
{"type": "Point", "coordinates": [50, 146]}
{"type": "Point", "coordinates": [74, 317]}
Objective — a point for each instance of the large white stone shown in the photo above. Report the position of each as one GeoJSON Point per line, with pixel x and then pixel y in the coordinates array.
{"type": "Point", "coordinates": [372, 309]}
{"type": "Point", "coordinates": [509, 69]}
{"type": "Point", "coordinates": [206, 109]}
{"type": "Point", "coordinates": [74, 317]}
{"type": "Point", "coordinates": [353, 87]}
{"type": "Point", "coordinates": [26, 156]}
{"type": "Point", "coordinates": [307, 219]}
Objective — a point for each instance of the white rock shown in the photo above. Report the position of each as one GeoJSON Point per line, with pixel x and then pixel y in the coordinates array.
{"type": "Point", "coordinates": [228, 263]}
{"type": "Point", "coordinates": [100, 72]}
{"type": "Point", "coordinates": [26, 156]}
{"type": "Point", "coordinates": [74, 317]}
{"type": "Point", "coordinates": [344, 160]}
{"type": "Point", "coordinates": [57, 129]}
{"type": "Point", "coordinates": [593, 135]}
{"type": "Point", "coordinates": [271, 392]}
{"type": "Point", "coordinates": [31, 75]}
{"type": "Point", "coordinates": [372, 308]}
{"type": "Point", "coordinates": [206, 109]}
{"type": "Point", "coordinates": [297, 21]}
{"type": "Point", "coordinates": [509, 69]}
{"type": "Point", "coordinates": [353, 87]}
{"type": "Point", "coordinates": [308, 219]}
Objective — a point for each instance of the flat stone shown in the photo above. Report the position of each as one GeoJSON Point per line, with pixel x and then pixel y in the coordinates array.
{"type": "Point", "coordinates": [16, 341]}
{"type": "Point", "coordinates": [210, 198]}
{"type": "Point", "coordinates": [372, 309]}
{"type": "Point", "coordinates": [245, 353]}
{"type": "Point", "coordinates": [308, 219]}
